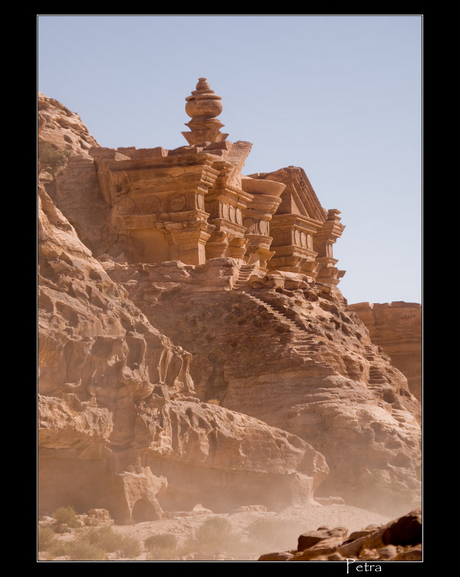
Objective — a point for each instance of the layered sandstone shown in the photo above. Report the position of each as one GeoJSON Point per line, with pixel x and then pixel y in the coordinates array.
{"type": "Point", "coordinates": [119, 424]}
{"type": "Point", "coordinates": [397, 328]}
{"type": "Point", "coordinates": [64, 129]}
{"type": "Point", "coordinates": [292, 354]}
{"type": "Point", "coordinates": [194, 346]}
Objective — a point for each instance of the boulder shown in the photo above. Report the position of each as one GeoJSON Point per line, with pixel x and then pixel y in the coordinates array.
{"type": "Point", "coordinates": [400, 540]}
{"type": "Point", "coordinates": [406, 530]}
{"type": "Point", "coordinates": [279, 556]}
{"type": "Point", "coordinates": [411, 554]}
{"type": "Point", "coordinates": [308, 540]}
{"type": "Point", "coordinates": [322, 549]}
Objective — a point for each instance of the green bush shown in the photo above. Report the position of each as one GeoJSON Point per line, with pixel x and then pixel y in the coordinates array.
{"type": "Point", "coordinates": [95, 545]}
{"type": "Point", "coordinates": [130, 547]}
{"type": "Point", "coordinates": [214, 527]}
{"type": "Point", "coordinates": [216, 536]}
{"type": "Point", "coordinates": [46, 538]}
{"type": "Point", "coordinates": [162, 541]}
{"type": "Point", "coordinates": [52, 160]}
{"type": "Point", "coordinates": [66, 515]}
{"type": "Point", "coordinates": [106, 539]}
{"type": "Point", "coordinates": [92, 545]}
{"type": "Point", "coordinates": [165, 554]}
{"type": "Point", "coordinates": [83, 550]}
{"type": "Point", "coordinates": [79, 550]}
{"type": "Point", "coordinates": [163, 546]}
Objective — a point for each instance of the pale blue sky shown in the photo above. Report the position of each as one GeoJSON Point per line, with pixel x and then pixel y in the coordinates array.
{"type": "Point", "coordinates": [340, 96]}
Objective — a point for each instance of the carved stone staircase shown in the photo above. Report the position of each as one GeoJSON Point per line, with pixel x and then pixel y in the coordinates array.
{"type": "Point", "coordinates": [275, 312]}
{"type": "Point", "coordinates": [376, 377]}
{"type": "Point", "coordinates": [243, 276]}
{"type": "Point", "coordinates": [305, 344]}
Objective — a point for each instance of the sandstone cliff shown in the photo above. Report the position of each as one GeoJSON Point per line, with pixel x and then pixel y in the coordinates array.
{"type": "Point", "coordinates": [397, 328]}
{"type": "Point", "coordinates": [119, 424]}
{"type": "Point", "coordinates": [61, 127]}
{"type": "Point", "coordinates": [166, 385]}
{"type": "Point", "coordinates": [293, 355]}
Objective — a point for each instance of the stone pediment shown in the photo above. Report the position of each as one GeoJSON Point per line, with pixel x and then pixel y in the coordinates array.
{"type": "Point", "coordinates": [299, 196]}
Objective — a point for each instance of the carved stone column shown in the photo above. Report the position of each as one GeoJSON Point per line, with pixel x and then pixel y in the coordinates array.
{"type": "Point", "coordinates": [330, 231]}
{"type": "Point", "coordinates": [257, 217]}
{"type": "Point", "coordinates": [217, 245]}
{"type": "Point", "coordinates": [237, 248]}
{"type": "Point", "coordinates": [187, 240]}
{"type": "Point", "coordinates": [225, 204]}
{"type": "Point", "coordinates": [293, 243]}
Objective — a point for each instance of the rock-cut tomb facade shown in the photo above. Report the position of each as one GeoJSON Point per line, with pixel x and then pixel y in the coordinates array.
{"type": "Point", "coordinates": [194, 204]}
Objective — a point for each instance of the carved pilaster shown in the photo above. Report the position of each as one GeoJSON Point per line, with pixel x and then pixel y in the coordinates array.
{"type": "Point", "coordinates": [330, 231]}
{"type": "Point", "coordinates": [292, 242]}
{"type": "Point", "coordinates": [217, 245]}
{"type": "Point", "coordinates": [257, 216]}
{"type": "Point", "coordinates": [237, 248]}
{"type": "Point", "coordinates": [188, 240]}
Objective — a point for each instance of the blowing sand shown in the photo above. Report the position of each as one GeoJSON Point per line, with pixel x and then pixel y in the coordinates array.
{"type": "Point", "coordinates": [281, 530]}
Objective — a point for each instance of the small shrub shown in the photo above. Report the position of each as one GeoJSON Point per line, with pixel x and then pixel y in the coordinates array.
{"type": "Point", "coordinates": [83, 550]}
{"type": "Point", "coordinates": [46, 538]}
{"type": "Point", "coordinates": [215, 535]}
{"type": "Point", "coordinates": [130, 547]}
{"type": "Point", "coordinates": [67, 516]}
{"type": "Point", "coordinates": [95, 545]}
{"type": "Point", "coordinates": [212, 527]}
{"type": "Point", "coordinates": [163, 546]}
{"type": "Point", "coordinates": [57, 548]}
{"type": "Point", "coordinates": [105, 538]}
{"type": "Point", "coordinates": [164, 554]}
{"type": "Point", "coordinates": [162, 541]}
{"type": "Point", "coordinates": [52, 160]}
{"type": "Point", "coordinates": [79, 550]}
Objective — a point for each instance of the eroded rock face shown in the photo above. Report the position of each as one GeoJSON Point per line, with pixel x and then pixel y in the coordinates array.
{"type": "Point", "coordinates": [224, 459]}
{"type": "Point", "coordinates": [73, 187]}
{"type": "Point", "coordinates": [62, 128]}
{"type": "Point", "coordinates": [292, 354]}
{"type": "Point", "coordinates": [171, 384]}
{"type": "Point", "coordinates": [120, 426]}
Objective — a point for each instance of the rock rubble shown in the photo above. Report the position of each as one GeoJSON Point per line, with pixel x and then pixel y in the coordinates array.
{"type": "Point", "coordinates": [398, 540]}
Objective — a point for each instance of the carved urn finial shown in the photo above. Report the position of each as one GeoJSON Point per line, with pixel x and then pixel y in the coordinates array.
{"type": "Point", "coordinates": [203, 107]}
